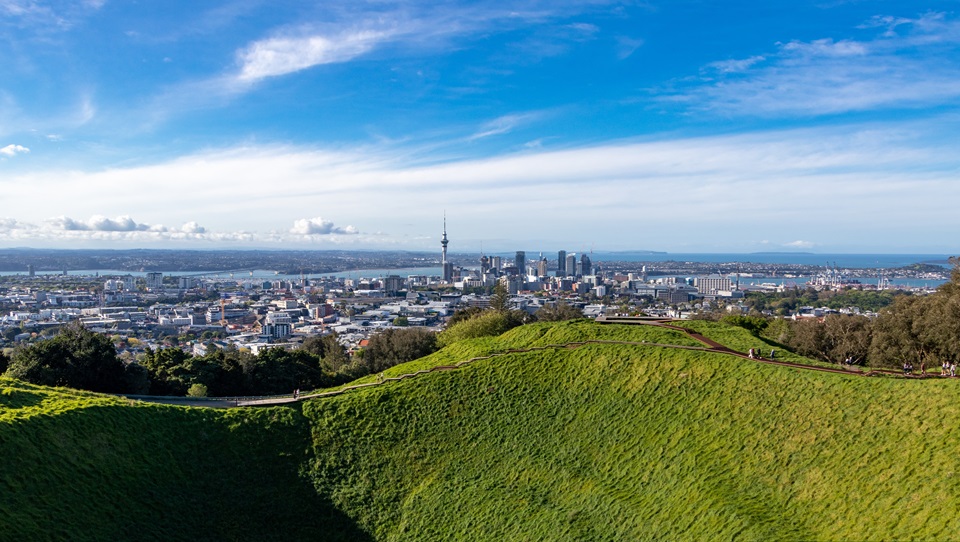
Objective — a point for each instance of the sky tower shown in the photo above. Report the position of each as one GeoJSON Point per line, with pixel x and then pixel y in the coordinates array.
{"type": "Point", "coordinates": [447, 266]}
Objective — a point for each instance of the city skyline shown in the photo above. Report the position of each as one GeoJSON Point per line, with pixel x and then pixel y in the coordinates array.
{"type": "Point", "coordinates": [577, 125]}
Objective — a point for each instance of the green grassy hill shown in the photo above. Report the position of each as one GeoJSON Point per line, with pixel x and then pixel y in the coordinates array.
{"type": "Point", "coordinates": [598, 442]}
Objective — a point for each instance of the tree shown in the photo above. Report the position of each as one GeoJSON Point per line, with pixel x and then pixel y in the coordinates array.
{"type": "Point", "coordinates": [462, 315]}
{"type": "Point", "coordinates": [4, 363]}
{"type": "Point", "coordinates": [753, 324]}
{"type": "Point", "coordinates": [165, 366]}
{"type": "Point", "coordinates": [76, 358]}
{"type": "Point", "coordinates": [395, 346]}
{"type": "Point", "coordinates": [332, 354]}
{"type": "Point", "coordinates": [897, 336]}
{"type": "Point", "coordinates": [500, 299]}
{"type": "Point", "coordinates": [559, 312]}
{"type": "Point", "coordinates": [401, 321]}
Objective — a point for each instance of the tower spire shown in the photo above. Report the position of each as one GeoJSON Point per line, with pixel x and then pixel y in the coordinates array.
{"type": "Point", "coordinates": [446, 266]}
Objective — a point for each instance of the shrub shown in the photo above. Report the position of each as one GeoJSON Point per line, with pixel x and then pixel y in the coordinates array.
{"type": "Point", "coordinates": [197, 390]}
{"type": "Point", "coordinates": [486, 324]}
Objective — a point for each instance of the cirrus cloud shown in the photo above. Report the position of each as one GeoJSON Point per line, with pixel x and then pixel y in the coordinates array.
{"type": "Point", "coordinates": [283, 55]}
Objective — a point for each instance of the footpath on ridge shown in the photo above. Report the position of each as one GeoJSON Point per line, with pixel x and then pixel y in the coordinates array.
{"type": "Point", "coordinates": [709, 346]}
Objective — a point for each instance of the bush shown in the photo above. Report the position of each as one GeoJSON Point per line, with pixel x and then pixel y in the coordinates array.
{"type": "Point", "coordinates": [486, 324]}
{"type": "Point", "coordinates": [395, 346]}
{"type": "Point", "coordinates": [753, 324]}
{"type": "Point", "coordinates": [197, 390]}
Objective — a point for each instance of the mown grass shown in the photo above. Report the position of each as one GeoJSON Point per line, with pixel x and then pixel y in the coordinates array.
{"type": "Point", "coordinates": [599, 442]}
{"type": "Point", "coordinates": [534, 335]}
{"type": "Point", "coordinates": [610, 442]}
{"type": "Point", "coordinates": [78, 466]}
{"type": "Point", "coordinates": [739, 339]}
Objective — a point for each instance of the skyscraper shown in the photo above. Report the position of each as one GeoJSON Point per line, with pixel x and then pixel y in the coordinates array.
{"type": "Point", "coordinates": [586, 265]}
{"type": "Point", "coordinates": [521, 261]}
{"type": "Point", "coordinates": [571, 265]}
{"type": "Point", "coordinates": [562, 263]}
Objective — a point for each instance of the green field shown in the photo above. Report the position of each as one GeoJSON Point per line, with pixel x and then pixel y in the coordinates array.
{"type": "Point", "coordinates": [599, 442]}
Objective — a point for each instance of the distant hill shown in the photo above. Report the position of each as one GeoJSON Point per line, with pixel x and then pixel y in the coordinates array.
{"type": "Point", "coordinates": [591, 442]}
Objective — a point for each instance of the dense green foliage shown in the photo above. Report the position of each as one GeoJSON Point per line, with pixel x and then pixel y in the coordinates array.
{"type": "Point", "coordinates": [395, 346]}
{"type": "Point", "coordinates": [605, 441]}
{"type": "Point", "coordinates": [753, 324]}
{"type": "Point", "coordinates": [75, 357]}
{"type": "Point", "coordinates": [489, 323]}
{"type": "Point", "coordinates": [920, 330]}
{"type": "Point", "coordinates": [786, 302]}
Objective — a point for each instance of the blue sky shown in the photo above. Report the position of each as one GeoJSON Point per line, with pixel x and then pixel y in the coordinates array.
{"type": "Point", "coordinates": [734, 126]}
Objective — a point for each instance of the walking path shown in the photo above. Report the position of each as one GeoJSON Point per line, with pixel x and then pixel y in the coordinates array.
{"type": "Point", "coordinates": [709, 346]}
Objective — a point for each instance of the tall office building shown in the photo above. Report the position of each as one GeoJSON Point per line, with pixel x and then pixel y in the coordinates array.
{"type": "Point", "coordinates": [154, 280]}
{"type": "Point", "coordinates": [542, 267]}
{"type": "Point", "coordinates": [586, 265]}
{"type": "Point", "coordinates": [521, 261]}
{"type": "Point", "coordinates": [571, 267]}
{"type": "Point", "coordinates": [562, 263]}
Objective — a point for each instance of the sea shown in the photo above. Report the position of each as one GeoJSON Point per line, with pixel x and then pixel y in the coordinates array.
{"type": "Point", "coordinates": [857, 261]}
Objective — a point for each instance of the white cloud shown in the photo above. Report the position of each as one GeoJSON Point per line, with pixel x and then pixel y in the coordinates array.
{"type": "Point", "coordinates": [44, 17]}
{"type": "Point", "coordinates": [626, 46]}
{"type": "Point", "coordinates": [826, 48]}
{"type": "Point", "coordinates": [13, 150]}
{"type": "Point", "coordinates": [735, 66]}
{"type": "Point", "coordinates": [800, 244]}
{"type": "Point", "coordinates": [504, 124]}
{"type": "Point", "coordinates": [193, 227]}
{"type": "Point", "coordinates": [797, 183]}
{"type": "Point", "coordinates": [320, 226]}
{"type": "Point", "coordinates": [97, 223]}
{"type": "Point", "coordinates": [911, 65]}
{"type": "Point", "coordinates": [283, 55]}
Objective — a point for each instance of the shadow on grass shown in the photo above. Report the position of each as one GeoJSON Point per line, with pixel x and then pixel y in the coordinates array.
{"type": "Point", "coordinates": [163, 473]}
{"type": "Point", "coordinates": [14, 398]}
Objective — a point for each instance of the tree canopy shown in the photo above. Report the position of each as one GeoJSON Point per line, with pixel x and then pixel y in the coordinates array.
{"type": "Point", "coordinates": [76, 357]}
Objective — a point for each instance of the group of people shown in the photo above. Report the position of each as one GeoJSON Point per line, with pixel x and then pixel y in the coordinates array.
{"type": "Point", "coordinates": [947, 368]}
{"type": "Point", "coordinates": [754, 353]}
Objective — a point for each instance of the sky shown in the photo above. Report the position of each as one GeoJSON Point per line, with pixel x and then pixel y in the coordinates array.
{"type": "Point", "coordinates": [672, 125]}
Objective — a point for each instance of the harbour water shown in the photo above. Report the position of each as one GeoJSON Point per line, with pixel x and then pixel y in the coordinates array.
{"type": "Point", "coordinates": [859, 261]}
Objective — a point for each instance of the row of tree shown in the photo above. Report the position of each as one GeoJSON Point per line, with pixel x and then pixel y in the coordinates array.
{"type": "Point", "coordinates": [916, 329]}
{"type": "Point", "coordinates": [79, 358]}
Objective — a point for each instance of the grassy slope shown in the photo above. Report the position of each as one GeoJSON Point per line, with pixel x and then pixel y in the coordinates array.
{"type": "Point", "coordinates": [532, 335]}
{"type": "Point", "coordinates": [602, 442]}
{"type": "Point", "coordinates": [78, 466]}
{"type": "Point", "coordinates": [616, 443]}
